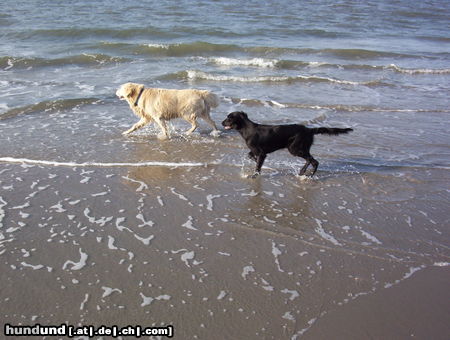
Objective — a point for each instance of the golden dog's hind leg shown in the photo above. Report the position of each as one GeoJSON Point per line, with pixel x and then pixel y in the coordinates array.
{"type": "Point", "coordinates": [136, 126]}
{"type": "Point", "coordinates": [193, 122]}
{"type": "Point", "coordinates": [215, 131]}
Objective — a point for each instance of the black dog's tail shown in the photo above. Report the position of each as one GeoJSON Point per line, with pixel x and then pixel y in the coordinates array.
{"type": "Point", "coordinates": [330, 131]}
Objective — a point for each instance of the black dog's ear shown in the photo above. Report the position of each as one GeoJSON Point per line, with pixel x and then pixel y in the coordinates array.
{"type": "Point", "coordinates": [244, 114]}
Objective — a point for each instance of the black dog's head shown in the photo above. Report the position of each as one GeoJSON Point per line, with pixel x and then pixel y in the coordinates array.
{"type": "Point", "coordinates": [235, 120]}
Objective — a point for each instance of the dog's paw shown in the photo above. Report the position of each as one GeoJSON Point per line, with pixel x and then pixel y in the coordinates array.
{"type": "Point", "coordinates": [162, 136]}
{"type": "Point", "coordinates": [255, 175]}
{"type": "Point", "coordinates": [215, 133]}
{"type": "Point", "coordinates": [125, 133]}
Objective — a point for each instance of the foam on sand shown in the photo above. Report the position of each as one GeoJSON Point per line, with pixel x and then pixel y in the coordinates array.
{"type": "Point", "coordinates": [2, 211]}
{"type": "Point", "coordinates": [98, 164]}
{"type": "Point", "coordinates": [319, 230]}
{"type": "Point", "coordinates": [77, 265]}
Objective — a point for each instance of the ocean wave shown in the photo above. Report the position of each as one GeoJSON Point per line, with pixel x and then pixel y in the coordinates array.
{"type": "Point", "coordinates": [185, 49]}
{"type": "Point", "coordinates": [254, 62]}
{"type": "Point", "coordinates": [98, 164]}
{"type": "Point", "coordinates": [48, 106]}
{"type": "Point", "coordinates": [417, 71]}
{"type": "Point", "coordinates": [9, 62]}
{"type": "Point", "coordinates": [202, 48]}
{"type": "Point", "coordinates": [200, 75]}
{"type": "Point", "coordinates": [298, 64]}
{"type": "Point", "coordinates": [336, 107]}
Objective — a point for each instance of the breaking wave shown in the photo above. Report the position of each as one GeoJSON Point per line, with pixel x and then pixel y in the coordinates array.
{"type": "Point", "coordinates": [418, 71]}
{"type": "Point", "coordinates": [337, 107]}
{"type": "Point", "coordinates": [298, 64]}
{"type": "Point", "coordinates": [195, 75]}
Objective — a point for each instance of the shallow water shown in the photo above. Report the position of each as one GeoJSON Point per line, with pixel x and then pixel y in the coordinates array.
{"type": "Point", "coordinates": [134, 230]}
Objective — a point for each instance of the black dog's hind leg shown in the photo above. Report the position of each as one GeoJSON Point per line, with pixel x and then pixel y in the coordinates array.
{"type": "Point", "coordinates": [309, 160]}
{"type": "Point", "coordinates": [315, 164]}
{"type": "Point", "coordinates": [251, 155]}
{"type": "Point", "coordinates": [299, 147]}
{"type": "Point", "coordinates": [305, 167]}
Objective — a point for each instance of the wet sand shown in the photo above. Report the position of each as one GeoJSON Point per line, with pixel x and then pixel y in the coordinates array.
{"type": "Point", "coordinates": [215, 254]}
{"type": "Point", "coordinates": [416, 308]}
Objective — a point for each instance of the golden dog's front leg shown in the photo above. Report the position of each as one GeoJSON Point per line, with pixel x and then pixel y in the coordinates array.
{"type": "Point", "coordinates": [163, 126]}
{"type": "Point", "coordinates": [136, 126]}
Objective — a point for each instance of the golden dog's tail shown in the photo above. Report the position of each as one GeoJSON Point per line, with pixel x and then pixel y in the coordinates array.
{"type": "Point", "coordinates": [210, 99]}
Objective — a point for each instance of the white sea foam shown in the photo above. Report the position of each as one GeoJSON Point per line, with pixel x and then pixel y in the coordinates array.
{"type": "Point", "coordinates": [210, 198]}
{"type": "Point", "coordinates": [418, 71]}
{"type": "Point", "coordinates": [221, 295]}
{"type": "Point", "coordinates": [274, 103]}
{"type": "Point", "coordinates": [144, 222]}
{"type": "Point", "coordinates": [2, 211]}
{"type": "Point", "coordinates": [407, 275]}
{"type": "Point", "coordinates": [189, 255]}
{"type": "Point", "coordinates": [294, 294]}
{"type": "Point", "coordinates": [83, 303]}
{"type": "Point", "coordinates": [111, 243]}
{"type": "Point", "coordinates": [34, 267]}
{"type": "Point", "coordinates": [142, 185]}
{"type": "Point", "coordinates": [276, 252]}
{"type": "Point", "coordinates": [188, 224]}
{"type": "Point", "coordinates": [101, 221]}
{"type": "Point", "coordinates": [145, 241]}
{"type": "Point", "coordinates": [370, 237]}
{"type": "Point", "coordinates": [288, 316]}
{"type": "Point", "coordinates": [194, 74]}
{"type": "Point", "coordinates": [107, 291]}
{"type": "Point", "coordinates": [304, 330]}
{"type": "Point", "coordinates": [319, 230]}
{"type": "Point", "coordinates": [180, 196]}
{"type": "Point", "coordinates": [77, 265]}
{"type": "Point", "coordinates": [147, 300]}
{"type": "Point", "coordinates": [257, 62]}
{"type": "Point", "coordinates": [163, 46]}
{"type": "Point", "coordinates": [246, 271]}
{"type": "Point", "coordinates": [160, 201]}
{"type": "Point", "coordinates": [98, 164]}
{"type": "Point", "coordinates": [4, 107]}
{"type": "Point", "coordinates": [58, 208]}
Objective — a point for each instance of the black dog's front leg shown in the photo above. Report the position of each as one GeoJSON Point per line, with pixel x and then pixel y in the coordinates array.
{"type": "Point", "coordinates": [251, 155]}
{"type": "Point", "coordinates": [259, 162]}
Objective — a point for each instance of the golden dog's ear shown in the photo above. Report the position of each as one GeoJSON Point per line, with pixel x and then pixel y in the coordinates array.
{"type": "Point", "coordinates": [131, 91]}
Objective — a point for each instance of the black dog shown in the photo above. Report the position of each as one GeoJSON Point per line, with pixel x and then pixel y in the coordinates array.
{"type": "Point", "coordinates": [264, 139]}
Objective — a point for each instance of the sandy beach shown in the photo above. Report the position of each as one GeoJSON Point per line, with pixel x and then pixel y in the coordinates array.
{"type": "Point", "coordinates": [213, 253]}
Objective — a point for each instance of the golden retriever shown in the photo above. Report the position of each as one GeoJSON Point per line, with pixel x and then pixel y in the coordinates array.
{"type": "Point", "coordinates": [161, 105]}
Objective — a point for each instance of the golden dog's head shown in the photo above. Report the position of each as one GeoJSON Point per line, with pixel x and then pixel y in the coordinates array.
{"type": "Point", "coordinates": [129, 91]}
